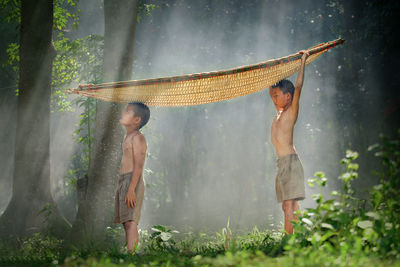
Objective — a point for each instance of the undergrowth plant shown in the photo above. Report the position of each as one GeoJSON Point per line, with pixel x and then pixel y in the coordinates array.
{"type": "Point", "coordinates": [162, 239]}
{"type": "Point", "coordinates": [346, 225]}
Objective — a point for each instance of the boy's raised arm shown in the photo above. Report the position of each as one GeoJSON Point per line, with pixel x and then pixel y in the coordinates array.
{"type": "Point", "coordinates": [299, 83]}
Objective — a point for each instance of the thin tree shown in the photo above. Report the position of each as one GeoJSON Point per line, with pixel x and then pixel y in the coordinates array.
{"type": "Point", "coordinates": [95, 212]}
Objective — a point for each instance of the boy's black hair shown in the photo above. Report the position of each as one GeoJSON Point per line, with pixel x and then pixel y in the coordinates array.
{"type": "Point", "coordinates": [286, 86]}
{"type": "Point", "coordinates": [141, 110]}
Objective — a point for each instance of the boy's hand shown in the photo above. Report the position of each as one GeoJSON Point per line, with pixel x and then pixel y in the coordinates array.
{"type": "Point", "coordinates": [130, 198]}
{"type": "Point", "coordinates": [305, 53]}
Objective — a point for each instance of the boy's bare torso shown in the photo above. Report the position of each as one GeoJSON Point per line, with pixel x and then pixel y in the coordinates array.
{"type": "Point", "coordinates": [282, 132]}
{"type": "Point", "coordinates": [128, 159]}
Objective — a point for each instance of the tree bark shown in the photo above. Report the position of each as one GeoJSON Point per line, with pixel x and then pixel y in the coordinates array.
{"type": "Point", "coordinates": [31, 181]}
{"type": "Point", "coordinates": [96, 212]}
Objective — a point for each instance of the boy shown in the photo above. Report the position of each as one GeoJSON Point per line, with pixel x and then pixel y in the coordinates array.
{"type": "Point", "coordinates": [130, 192]}
{"type": "Point", "coordinates": [289, 183]}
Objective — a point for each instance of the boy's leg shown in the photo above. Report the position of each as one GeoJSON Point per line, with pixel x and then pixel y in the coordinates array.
{"type": "Point", "coordinates": [289, 208]}
{"type": "Point", "coordinates": [131, 235]}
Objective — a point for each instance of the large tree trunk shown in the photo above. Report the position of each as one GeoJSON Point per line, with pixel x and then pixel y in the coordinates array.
{"type": "Point", "coordinates": [31, 184]}
{"type": "Point", "coordinates": [96, 211]}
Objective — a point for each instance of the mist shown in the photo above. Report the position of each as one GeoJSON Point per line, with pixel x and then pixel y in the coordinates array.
{"type": "Point", "coordinates": [215, 161]}
{"type": "Point", "coordinates": [212, 163]}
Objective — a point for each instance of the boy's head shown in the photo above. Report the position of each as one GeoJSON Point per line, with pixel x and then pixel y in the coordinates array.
{"type": "Point", "coordinates": [282, 93]}
{"type": "Point", "coordinates": [136, 114]}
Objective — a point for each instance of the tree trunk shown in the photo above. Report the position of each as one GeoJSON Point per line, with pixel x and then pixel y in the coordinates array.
{"type": "Point", "coordinates": [96, 212]}
{"type": "Point", "coordinates": [31, 183]}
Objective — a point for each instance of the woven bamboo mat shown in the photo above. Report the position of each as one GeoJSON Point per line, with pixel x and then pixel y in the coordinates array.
{"type": "Point", "coordinates": [202, 88]}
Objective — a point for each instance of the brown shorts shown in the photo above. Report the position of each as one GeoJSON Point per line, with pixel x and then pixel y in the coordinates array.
{"type": "Point", "coordinates": [289, 183]}
{"type": "Point", "coordinates": [122, 212]}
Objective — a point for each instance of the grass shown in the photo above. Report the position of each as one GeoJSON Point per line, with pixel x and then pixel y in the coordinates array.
{"type": "Point", "coordinates": [256, 248]}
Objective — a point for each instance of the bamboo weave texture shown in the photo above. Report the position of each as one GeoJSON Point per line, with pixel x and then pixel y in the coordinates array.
{"type": "Point", "coordinates": [202, 88]}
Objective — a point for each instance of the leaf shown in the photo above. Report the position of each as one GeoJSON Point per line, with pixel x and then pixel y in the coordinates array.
{"type": "Point", "coordinates": [364, 224]}
{"type": "Point", "coordinates": [373, 215]}
{"type": "Point", "coordinates": [351, 154]}
{"type": "Point", "coordinates": [353, 166]}
{"type": "Point", "coordinates": [307, 221]}
{"type": "Point", "coordinates": [327, 225]}
{"type": "Point", "coordinates": [317, 197]}
{"type": "Point", "coordinates": [342, 217]}
{"type": "Point", "coordinates": [327, 235]}
{"type": "Point", "coordinates": [165, 236]}
{"type": "Point", "coordinates": [346, 176]}
{"type": "Point", "coordinates": [388, 226]}
{"type": "Point", "coordinates": [334, 193]}
{"type": "Point", "coordinates": [315, 238]}
{"type": "Point", "coordinates": [159, 228]}
{"type": "Point", "coordinates": [154, 235]}
{"type": "Point", "coordinates": [372, 147]}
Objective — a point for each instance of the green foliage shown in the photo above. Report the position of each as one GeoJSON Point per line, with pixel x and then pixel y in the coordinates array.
{"type": "Point", "coordinates": [144, 9]}
{"type": "Point", "coordinates": [162, 238]}
{"type": "Point", "coordinates": [41, 247]}
{"type": "Point", "coordinates": [73, 57]}
{"type": "Point", "coordinates": [13, 56]}
{"type": "Point", "coordinates": [65, 14]}
{"type": "Point", "coordinates": [385, 199]}
{"type": "Point", "coordinates": [85, 130]}
{"type": "Point", "coordinates": [84, 136]}
{"type": "Point", "coordinates": [37, 249]}
{"type": "Point", "coordinates": [62, 12]}
{"type": "Point", "coordinates": [251, 249]}
{"type": "Point", "coordinates": [11, 9]}
{"type": "Point", "coordinates": [77, 61]}
{"type": "Point", "coordinates": [345, 225]}
{"type": "Point", "coordinates": [226, 235]}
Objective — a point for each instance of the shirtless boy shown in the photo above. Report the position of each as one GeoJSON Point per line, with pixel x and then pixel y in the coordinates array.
{"type": "Point", "coordinates": [289, 183]}
{"type": "Point", "coordinates": [130, 192]}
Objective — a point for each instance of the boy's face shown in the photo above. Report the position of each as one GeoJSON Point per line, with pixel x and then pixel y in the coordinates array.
{"type": "Point", "coordinates": [128, 117]}
{"type": "Point", "coordinates": [280, 99]}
